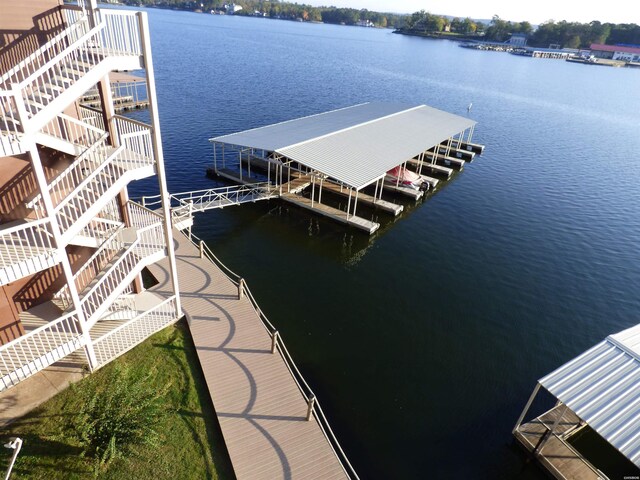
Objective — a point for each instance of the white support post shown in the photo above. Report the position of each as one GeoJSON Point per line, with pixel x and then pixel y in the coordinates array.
{"type": "Point", "coordinates": [526, 408]}
{"type": "Point", "coordinates": [157, 150]}
{"type": "Point", "coordinates": [224, 165]}
{"type": "Point", "coordinates": [313, 189]}
{"type": "Point", "coordinates": [215, 157]}
{"type": "Point", "coordinates": [320, 192]}
{"type": "Point", "coordinates": [375, 194]}
{"type": "Point", "coordinates": [349, 202]}
{"type": "Point", "coordinates": [355, 203]}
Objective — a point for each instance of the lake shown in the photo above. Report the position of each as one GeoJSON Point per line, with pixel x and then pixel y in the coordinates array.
{"type": "Point", "coordinates": [424, 342]}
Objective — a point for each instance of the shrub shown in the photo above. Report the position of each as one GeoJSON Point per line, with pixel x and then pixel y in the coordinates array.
{"type": "Point", "coordinates": [114, 415]}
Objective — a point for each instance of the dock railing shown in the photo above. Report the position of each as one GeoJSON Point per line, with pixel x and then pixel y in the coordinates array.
{"type": "Point", "coordinates": [314, 409]}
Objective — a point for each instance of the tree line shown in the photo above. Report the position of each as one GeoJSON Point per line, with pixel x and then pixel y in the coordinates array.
{"type": "Point", "coordinates": [565, 34]}
{"type": "Point", "coordinates": [286, 10]}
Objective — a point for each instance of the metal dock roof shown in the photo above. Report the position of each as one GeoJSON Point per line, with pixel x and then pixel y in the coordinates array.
{"type": "Point", "coordinates": [602, 386]}
{"type": "Point", "coordinates": [355, 145]}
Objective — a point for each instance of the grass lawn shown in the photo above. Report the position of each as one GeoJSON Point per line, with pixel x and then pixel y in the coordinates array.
{"type": "Point", "coordinates": [189, 445]}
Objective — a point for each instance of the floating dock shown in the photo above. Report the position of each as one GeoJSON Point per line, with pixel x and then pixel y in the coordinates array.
{"type": "Point", "coordinates": [598, 389]}
{"type": "Point", "coordinates": [369, 200]}
{"type": "Point", "coordinates": [418, 166]}
{"type": "Point", "coordinates": [331, 212]}
{"type": "Point", "coordinates": [345, 151]}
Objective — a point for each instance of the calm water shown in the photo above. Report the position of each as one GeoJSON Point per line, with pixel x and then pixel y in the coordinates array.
{"type": "Point", "coordinates": [424, 342]}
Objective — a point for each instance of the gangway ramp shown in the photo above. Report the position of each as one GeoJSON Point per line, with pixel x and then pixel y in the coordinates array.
{"type": "Point", "coordinates": [202, 200]}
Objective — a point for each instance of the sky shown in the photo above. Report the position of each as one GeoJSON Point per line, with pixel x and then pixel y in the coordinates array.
{"type": "Point", "coordinates": [536, 12]}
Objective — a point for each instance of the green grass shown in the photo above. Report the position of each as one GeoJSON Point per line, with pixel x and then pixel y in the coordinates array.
{"type": "Point", "coordinates": [189, 444]}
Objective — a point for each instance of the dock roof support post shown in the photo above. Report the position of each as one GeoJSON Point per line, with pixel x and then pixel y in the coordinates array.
{"type": "Point", "coordinates": [381, 187]}
{"type": "Point", "coordinates": [268, 172]}
{"type": "Point", "coordinates": [157, 150]}
{"type": "Point", "coordinates": [545, 438]}
{"type": "Point", "coordinates": [223, 162]}
{"type": "Point", "coordinates": [320, 192]}
{"type": "Point", "coordinates": [249, 162]}
{"type": "Point", "coordinates": [375, 194]}
{"type": "Point", "coordinates": [288, 186]}
{"type": "Point", "coordinates": [240, 166]}
{"type": "Point", "coordinates": [421, 160]}
{"type": "Point", "coordinates": [448, 151]}
{"type": "Point", "coordinates": [313, 189]}
{"type": "Point", "coordinates": [215, 161]}
{"type": "Point", "coordinates": [349, 202]}
{"type": "Point", "coordinates": [355, 203]}
{"type": "Point", "coordinates": [526, 408]}
{"type": "Point", "coordinates": [471, 133]}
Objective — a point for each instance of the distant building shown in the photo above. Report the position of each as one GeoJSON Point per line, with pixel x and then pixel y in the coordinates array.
{"type": "Point", "coordinates": [616, 52]}
{"type": "Point", "coordinates": [365, 23]}
{"type": "Point", "coordinates": [518, 39]}
{"type": "Point", "coordinates": [232, 8]}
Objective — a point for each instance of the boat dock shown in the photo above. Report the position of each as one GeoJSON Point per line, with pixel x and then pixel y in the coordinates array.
{"type": "Point", "coordinates": [555, 454]}
{"type": "Point", "coordinates": [598, 389]}
{"type": "Point", "coordinates": [272, 423]}
{"type": "Point", "coordinates": [344, 151]}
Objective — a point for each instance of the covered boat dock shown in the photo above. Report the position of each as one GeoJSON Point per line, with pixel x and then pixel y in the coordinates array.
{"type": "Point", "coordinates": [599, 389]}
{"type": "Point", "coordinates": [343, 152]}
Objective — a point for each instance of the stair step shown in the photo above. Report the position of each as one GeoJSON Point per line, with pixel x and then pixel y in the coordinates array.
{"type": "Point", "coordinates": [41, 314]}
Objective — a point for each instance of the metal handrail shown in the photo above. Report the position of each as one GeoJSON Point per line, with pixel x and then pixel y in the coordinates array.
{"type": "Point", "coordinates": [312, 401]}
{"type": "Point", "coordinates": [40, 51]}
{"type": "Point", "coordinates": [31, 333]}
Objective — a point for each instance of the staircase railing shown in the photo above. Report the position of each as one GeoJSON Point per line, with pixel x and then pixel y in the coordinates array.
{"type": "Point", "coordinates": [122, 32]}
{"type": "Point", "coordinates": [72, 130]}
{"type": "Point", "coordinates": [98, 261]}
{"type": "Point", "coordinates": [117, 34]}
{"type": "Point", "coordinates": [71, 177]}
{"type": "Point", "coordinates": [10, 127]}
{"type": "Point", "coordinates": [44, 54]}
{"type": "Point", "coordinates": [92, 116]}
{"type": "Point", "coordinates": [103, 174]}
{"type": "Point", "coordinates": [25, 241]}
{"type": "Point", "coordinates": [149, 241]}
{"type": "Point", "coordinates": [38, 349]}
{"type": "Point", "coordinates": [128, 335]}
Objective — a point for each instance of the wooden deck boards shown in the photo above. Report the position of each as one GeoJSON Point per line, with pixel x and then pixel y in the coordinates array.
{"type": "Point", "coordinates": [560, 460]}
{"type": "Point", "coordinates": [260, 408]}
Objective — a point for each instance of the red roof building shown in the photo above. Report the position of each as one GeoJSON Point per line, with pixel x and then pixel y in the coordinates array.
{"type": "Point", "coordinates": [616, 52]}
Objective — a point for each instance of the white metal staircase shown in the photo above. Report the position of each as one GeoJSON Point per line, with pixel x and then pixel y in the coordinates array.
{"type": "Point", "coordinates": [33, 96]}
{"type": "Point", "coordinates": [52, 78]}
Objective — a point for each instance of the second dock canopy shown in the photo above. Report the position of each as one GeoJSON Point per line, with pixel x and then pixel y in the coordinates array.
{"type": "Point", "coordinates": [355, 146]}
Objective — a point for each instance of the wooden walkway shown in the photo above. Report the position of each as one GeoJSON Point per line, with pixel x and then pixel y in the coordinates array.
{"type": "Point", "coordinates": [562, 461]}
{"type": "Point", "coordinates": [261, 410]}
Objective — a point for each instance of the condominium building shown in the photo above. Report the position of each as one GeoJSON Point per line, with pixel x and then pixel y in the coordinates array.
{"type": "Point", "coordinates": [73, 246]}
